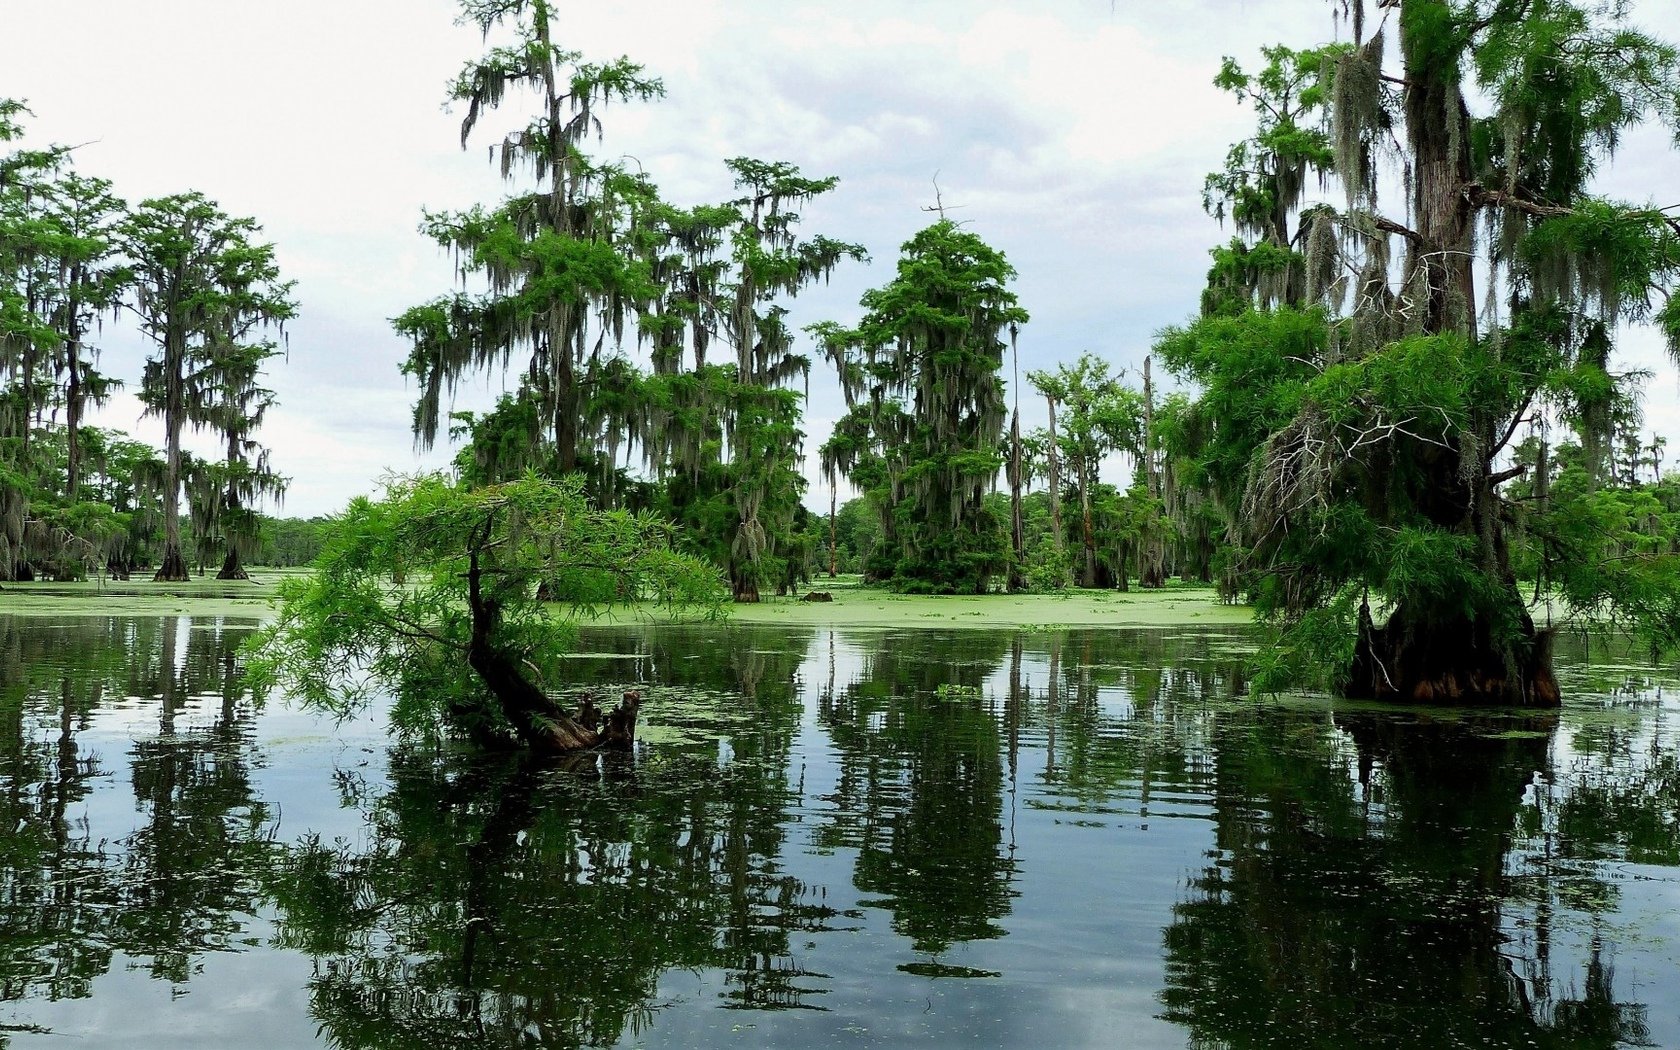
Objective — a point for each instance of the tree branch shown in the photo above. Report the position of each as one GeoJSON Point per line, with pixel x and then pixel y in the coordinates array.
{"type": "Point", "coordinates": [1501, 477]}
{"type": "Point", "coordinates": [1480, 195]}
{"type": "Point", "coordinates": [1511, 430]}
{"type": "Point", "coordinates": [1388, 225]}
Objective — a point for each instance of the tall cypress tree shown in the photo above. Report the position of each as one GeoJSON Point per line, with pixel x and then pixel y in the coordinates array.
{"type": "Point", "coordinates": [1362, 410]}
{"type": "Point", "coordinates": [202, 287]}
{"type": "Point", "coordinates": [923, 435]}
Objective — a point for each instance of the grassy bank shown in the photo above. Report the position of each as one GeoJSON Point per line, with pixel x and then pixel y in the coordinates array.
{"type": "Point", "coordinates": [200, 596]}
{"type": "Point", "coordinates": [859, 607]}
{"type": "Point", "coordinates": [853, 605]}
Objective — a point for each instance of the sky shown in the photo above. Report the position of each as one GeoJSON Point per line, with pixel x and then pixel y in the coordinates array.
{"type": "Point", "coordinates": [1073, 135]}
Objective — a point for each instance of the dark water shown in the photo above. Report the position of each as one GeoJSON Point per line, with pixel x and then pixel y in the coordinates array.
{"type": "Point", "coordinates": [835, 838]}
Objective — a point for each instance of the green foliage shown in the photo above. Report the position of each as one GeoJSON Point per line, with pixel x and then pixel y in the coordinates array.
{"type": "Point", "coordinates": [924, 431]}
{"type": "Point", "coordinates": [1099, 415]}
{"type": "Point", "coordinates": [388, 604]}
{"type": "Point", "coordinates": [1314, 651]}
{"type": "Point", "coordinates": [592, 256]}
{"type": "Point", "coordinates": [203, 290]}
{"type": "Point", "coordinates": [1350, 426]}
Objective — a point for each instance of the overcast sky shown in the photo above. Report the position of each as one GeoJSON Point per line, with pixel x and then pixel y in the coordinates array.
{"type": "Point", "coordinates": [1073, 135]}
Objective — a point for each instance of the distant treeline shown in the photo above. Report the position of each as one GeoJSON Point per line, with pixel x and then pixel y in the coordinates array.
{"type": "Point", "coordinates": [205, 294]}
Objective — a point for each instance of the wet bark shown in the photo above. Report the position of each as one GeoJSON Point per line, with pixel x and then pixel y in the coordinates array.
{"type": "Point", "coordinates": [1417, 659]}
{"type": "Point", "coordinates": [541, 723]}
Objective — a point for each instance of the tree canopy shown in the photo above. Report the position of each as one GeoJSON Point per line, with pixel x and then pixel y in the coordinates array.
{"type": "Point", "coordinates": [1358, 391]}
{"type": "Point", "coordinates": [923, 433]}
{"type": "Point", "coordinates": [437, 591]}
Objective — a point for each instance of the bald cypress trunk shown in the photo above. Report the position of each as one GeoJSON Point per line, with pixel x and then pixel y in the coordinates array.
{"type": "Point", "coordinates": [1017, 531]}
{"type": "Point", "coordinates": [1152, 573]}
{"type": "Point", "coordinates": [1423, 654]}
{"type": "Point", "coordinates": [1055, 480]}
{"type": "Point", "coordinates": [174, 567]}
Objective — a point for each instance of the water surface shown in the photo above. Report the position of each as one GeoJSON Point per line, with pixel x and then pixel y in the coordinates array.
{"type": "Point", "coordinates": [838, 837]}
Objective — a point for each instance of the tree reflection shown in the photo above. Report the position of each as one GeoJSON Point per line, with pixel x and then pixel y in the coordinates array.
{"type": "Point", "coordinates": [183, 880]}
{"type": "Point", "coordinates": [920, 790]}
{"type": "Point", "coordinates": [507, 902]}
{"type": "Point", "coordinates": [1359, 891]}
{"type": "Point", "coordinates": [1376, 877]}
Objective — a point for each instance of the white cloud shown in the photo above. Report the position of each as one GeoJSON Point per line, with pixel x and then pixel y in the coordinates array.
{"type": "Point", "coordinates": [1074, 136]}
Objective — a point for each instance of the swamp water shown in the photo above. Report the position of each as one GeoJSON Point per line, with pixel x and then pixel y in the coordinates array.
{"type": "Point", "coordinates": [835, 837]}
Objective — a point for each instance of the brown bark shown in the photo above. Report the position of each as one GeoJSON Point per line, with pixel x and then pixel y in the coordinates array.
{"type": "Point", "coordinates": [540, 722]}
{"type": "Point", "coordinates": [745, 588]}
{"type": "Point", "coordinates": [231, 567]}
{"type": "Point", "coordinates": [1426, 660]}
{"type": "Point", "coordinates": [174, 567]}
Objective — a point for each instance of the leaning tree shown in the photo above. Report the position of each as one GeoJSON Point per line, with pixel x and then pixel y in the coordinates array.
{"type": "Point", "coordinates": [464, 638]}
{"type": "Point", "coordinates": [202, 286]}
{"type": "Point", "coordinates": [1365, 368]}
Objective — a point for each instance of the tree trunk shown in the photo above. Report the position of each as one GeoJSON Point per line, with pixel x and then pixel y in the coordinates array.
{"type": "Point", "coordinates": [744, 586]}
{"type": "Point", "coordinates": [1089, 532]}
{"type": "Point", "coordinates": [1151, 568]}
{"type": "Point", "coordinates": [1434, 655]}
{"type": "Point", "coordinates": [833, 526]}
{"type": "Point", "coordinates": [540, 722]}
{"type": "Point", "coordinates": [174, 567]}
{"type": "Point", "coordinates": [231, 568]}
{"type": "Point", "coordinates": [1017, 533]}
{"type": "Point", "coordinates": [73, 403]}
{"type": "Point", "coordinates": [1430, 660]}
{"type": "Point", "coordinates": [1055, 480]}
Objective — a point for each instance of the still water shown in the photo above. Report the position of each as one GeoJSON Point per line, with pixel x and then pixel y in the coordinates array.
{"type": "Point", "coordinates": [835, 838]}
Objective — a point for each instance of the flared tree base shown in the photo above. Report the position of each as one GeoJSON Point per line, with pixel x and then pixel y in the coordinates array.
{"type": "Point", "coordinates": [231, 568]}
{"type": "Point", "coordinates": [1411, 659]}
{"type": "Point", "coordinates": [173, 569]}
